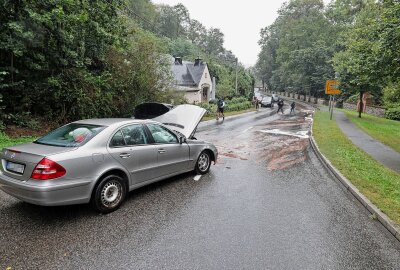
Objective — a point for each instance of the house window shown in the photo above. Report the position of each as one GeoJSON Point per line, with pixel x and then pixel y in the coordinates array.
{"type": "Point", "coordinates": [205, 75]}
{"type": "Point", "coordinates": [205, 90]}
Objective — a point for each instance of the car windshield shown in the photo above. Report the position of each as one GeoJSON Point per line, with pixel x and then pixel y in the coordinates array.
{"type": "Point", "coordinates": [267, 98]}
{"type": "Point", "coordinates": [71, 135]}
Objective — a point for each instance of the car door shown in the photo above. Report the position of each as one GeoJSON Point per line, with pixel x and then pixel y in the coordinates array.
{"type": "Point", "coordinates": [172, 156]}
{"type": "Point", "coordinates": [130, 146]}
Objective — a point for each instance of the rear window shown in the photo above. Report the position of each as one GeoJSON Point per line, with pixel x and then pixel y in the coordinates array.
{"type": "Point", "coordinates": [71, 135]}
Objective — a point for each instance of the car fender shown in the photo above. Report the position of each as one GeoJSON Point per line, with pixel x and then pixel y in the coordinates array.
{"type": "Point", "coordinates": [196, 147]}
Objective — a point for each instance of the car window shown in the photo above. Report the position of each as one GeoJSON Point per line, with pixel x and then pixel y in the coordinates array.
{"type": "Point", "coordinates": [117, 139]}
{"type": "Point", "coordinates": [129, 135]}
{"type": "Point", "coordinates": [71, 135]}
{"type": "Point", "coordinates": [134, 134]}
{"type": "Point", "coordinates": [161, 134]}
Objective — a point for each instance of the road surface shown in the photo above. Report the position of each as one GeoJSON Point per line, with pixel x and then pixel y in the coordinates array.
{"type": "Point", "coordinates": [268, 203]}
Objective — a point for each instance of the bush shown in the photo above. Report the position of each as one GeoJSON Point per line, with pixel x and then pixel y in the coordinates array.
{"type": "Point", "coordinates": [238, 100]}
{"type": "Point", "coordinates": [391, 94]}
{"type": "Point", "coordinates": [393, 113]}
{"type": "Point", "coordinates": [210, 108]}
{"type": "Point", "coordinates": [23, 120]}
{"type": "Point", "coordinates": [233, 105]}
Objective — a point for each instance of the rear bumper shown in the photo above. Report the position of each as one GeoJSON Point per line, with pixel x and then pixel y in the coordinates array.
{"type": "Point", "coordinates": [47, 193]}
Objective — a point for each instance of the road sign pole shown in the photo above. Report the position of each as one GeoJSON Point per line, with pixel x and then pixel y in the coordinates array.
{"type": "Point", "coordinates": [332, 102]}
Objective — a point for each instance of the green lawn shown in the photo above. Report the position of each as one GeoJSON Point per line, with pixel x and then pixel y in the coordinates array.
{"type": "Point", "coordinates": [7, 141]}
{"type": "Point", "coordinates": [379, 184]}
{"type": "Point", "coordinates": [384, 130]}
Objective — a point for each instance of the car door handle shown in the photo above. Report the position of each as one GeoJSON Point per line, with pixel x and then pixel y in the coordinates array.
{"type": "Point", "coordinates": [124, 155]}
{"type": "Point", "coordinates": [161, 151]}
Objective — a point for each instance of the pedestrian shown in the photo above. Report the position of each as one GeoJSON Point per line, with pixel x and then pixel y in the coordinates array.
{"type": "Point", "coordinates": [292, 106]}
{"type": "Point", "coordinates": [280, 106]}
{"type": "Point", "coordinates": [257, 103]}
{"type": "Point", "coordinates": [220, 108]}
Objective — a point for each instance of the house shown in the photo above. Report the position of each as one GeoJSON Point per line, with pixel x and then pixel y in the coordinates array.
{"type": "Point", "coordinates": [193, 78]}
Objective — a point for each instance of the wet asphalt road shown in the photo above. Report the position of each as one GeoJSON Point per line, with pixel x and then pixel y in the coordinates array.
{"type": "Point", "coordinates": [267, 204]}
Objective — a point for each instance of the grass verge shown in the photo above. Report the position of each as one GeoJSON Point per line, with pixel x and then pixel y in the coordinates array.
{"type": "Point", "coordinates": [7, 141]}
{"type": "Point", "coordinates": [384, 130]}
{"type": "Point", "coordinates": [379, 184]}
{"type": "Point", "coordinates": [206, 118]}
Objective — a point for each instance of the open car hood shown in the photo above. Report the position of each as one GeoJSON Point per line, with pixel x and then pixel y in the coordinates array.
{"type": "Point", "coordinates": [183, 119]}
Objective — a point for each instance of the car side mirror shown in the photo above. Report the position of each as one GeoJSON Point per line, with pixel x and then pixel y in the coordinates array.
{"type": "Point", "coordinates": [182, 140]}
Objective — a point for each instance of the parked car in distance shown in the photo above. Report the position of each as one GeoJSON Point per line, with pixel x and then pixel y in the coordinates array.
{"type": "Point", "coordinates": [275, 98]}
{"type": "Point", "coordinates": [267, 102]}
{"type": "Point", "coordinates": [258, 96]}
{"type": "Point", "coordinates": [101, 160]}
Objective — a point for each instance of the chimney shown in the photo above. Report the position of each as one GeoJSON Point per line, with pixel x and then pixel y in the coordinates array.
{"type": "Point", "coordinates": [178, 60]}
{"type": "Point", "coordinates": [197, 62]}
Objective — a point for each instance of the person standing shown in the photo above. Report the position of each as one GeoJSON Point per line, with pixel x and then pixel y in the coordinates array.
{"type": "Point", "coordinates": [220, 108]}
{"type": "Point", "coordinates": [280, 106]}
{"type": "Point", "coordinates": [292, 106]}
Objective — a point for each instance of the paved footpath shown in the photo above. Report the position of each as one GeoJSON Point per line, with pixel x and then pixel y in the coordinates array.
{"type": "Point", "coordinates": [377, 150]}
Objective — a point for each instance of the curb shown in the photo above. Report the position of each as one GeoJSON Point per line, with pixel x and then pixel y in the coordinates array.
{"type": "Point", "coordinates": [380, 216]}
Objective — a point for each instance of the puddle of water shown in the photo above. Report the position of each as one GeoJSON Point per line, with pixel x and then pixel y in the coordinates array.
{"type": "Point", "coordinates": [303, 134]}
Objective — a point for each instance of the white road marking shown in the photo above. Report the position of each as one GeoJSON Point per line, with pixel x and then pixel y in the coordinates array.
{"type": "Point", "coordinates": [247, 129]}
{"type": "Point", "coordinates": [299, 134]}
{"type": "Point", "coordinates": [197, 177]}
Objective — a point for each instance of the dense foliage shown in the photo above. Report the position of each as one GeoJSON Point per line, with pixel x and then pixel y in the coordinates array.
{"type": "Point", "coordinates": [355, 41]}
{"type": "Point", "coordinates": [67, 60]}
{"type": "Point", "coordinates": [231, 105]}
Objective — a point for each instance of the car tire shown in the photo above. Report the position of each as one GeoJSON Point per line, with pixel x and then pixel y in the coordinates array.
{"type": "Point", "coordinates": [109, 194]}
{"type": "Point", "coordinates": [203, 163]}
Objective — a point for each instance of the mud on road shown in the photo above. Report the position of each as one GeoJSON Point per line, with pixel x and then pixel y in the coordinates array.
{"type": "Point", "coordinates": [279, 144]}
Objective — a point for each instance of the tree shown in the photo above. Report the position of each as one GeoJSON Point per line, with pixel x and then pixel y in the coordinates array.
{"type": "Point", "coordinates": [196, 32]}
{"type": "Point", "coordinates": [214, 41]}
{"type": "Point", "coordinates": [356, 64]}
{"type": "Point", "coordinates": [143, 12]}
{"type": "Point", "coordinates": [296, 49]}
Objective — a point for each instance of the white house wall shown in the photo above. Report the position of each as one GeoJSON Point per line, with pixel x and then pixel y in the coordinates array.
{"type": "Point", "coordinates": [193, 97]}
{"type": "Point", "coordinates": [206, 80]}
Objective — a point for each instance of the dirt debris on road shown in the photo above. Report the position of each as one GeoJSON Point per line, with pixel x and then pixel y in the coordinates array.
{"type": "Point", "coordinates": [280, 144]}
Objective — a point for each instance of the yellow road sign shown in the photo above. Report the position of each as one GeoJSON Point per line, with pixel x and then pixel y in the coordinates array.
{"type": "Point", "coordinates": [331, 87]}
{"type": "Point", "coordinates": [335, 92]}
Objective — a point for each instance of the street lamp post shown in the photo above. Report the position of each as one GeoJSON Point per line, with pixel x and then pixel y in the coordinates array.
{"type": "Point", "coordinates": [236, 88]}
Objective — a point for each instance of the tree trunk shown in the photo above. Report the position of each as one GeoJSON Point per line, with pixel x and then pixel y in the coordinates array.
{"type": "Point", "coordinates": [12, 67]}
{"type": "Point", "coordinates": [360, 110]}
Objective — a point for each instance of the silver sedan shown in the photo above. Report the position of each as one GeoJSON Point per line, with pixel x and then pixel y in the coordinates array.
{"type": "Point", "coordinates": [100, 160]}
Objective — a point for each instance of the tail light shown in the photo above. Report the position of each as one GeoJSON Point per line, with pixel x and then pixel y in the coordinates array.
{"type": "Point", "coordinates": [47, 169]}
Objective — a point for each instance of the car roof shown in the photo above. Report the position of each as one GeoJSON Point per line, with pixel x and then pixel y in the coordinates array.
{"type": "Point", "coordinates": [109, 121]}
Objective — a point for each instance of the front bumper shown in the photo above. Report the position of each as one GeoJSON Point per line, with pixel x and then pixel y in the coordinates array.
{"type": "Point", "coordinates": [47, 192]}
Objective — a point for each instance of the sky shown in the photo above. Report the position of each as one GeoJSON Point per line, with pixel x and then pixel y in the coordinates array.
{"type": "Point", "coordinates": [240, 21]}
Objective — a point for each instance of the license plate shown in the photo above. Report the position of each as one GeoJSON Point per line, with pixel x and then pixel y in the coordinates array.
{"type": "Point", "coordinates": [15, 167]}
